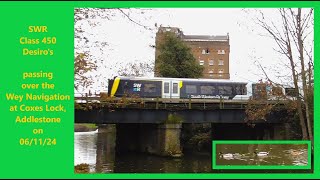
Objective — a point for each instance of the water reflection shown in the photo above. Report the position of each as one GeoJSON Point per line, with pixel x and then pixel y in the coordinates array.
{"type": "Point", "coordinates": [142, 163]}
{"type": "Point", "coordinates": [85, 148]}
{"type": "Point", "coordinates": [98, 150]}
{"type": "Point", "coordinates": [262, 154]}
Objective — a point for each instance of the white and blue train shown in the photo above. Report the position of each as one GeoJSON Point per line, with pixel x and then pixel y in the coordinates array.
{"type": "Point", "coordinates": [176, 88]}
{"type": "Point", "coordinates": [185, 88]}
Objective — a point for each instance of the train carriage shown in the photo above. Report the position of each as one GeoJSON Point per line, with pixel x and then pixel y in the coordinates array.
{"type": "Point", "coordinates": [212, 89]}
{"type": "Point", "coordinates": [121, 86]}
{"type": "Point", "coordinates": [175, 88]}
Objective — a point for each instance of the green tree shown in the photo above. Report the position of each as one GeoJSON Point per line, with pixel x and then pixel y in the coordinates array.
{"type": "Point", "coordinates": [176, 60]}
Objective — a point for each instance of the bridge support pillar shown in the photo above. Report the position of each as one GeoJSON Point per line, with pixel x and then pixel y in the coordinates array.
{"type": "Point", "coordinates": [160, 139]}
{"type": "Point", "coordinates": [157, 139]}
{"type": "Point", "coordinates": [170, 137]}
{"type": "Point", "coordinates": [104, 128]}
{"type": "Point", "coordinates": [279, 132]}
{"type": "Point", "coordinates": [106, 153]}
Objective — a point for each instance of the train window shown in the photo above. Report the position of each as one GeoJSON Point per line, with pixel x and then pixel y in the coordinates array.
{"type": "Point", "coordinates": [291, 92]}
{"type": "Point", "coordinates": [244, 89]}
{"type": "Point", "coordinates": [150, 88]}
{"type": "Point", "coordinates": [166, 87]}
{"type": "Point", "coordinates": [221, 90]}
{"type": "Point", "coordinates": [238, 89]}
{"type": "Point", "coordinates": [261, 87]}
{"type": "Point", "coordinates": [228, 89]}
{"type": "Point", "coordinates": [207, 89]}
{"type": "Point", "coordinates": [259, 91]}
{"type": "Point", "coordinates": [225, 89]}
{"type": "Point", "coordinates": [175, 88]}
{"type": "Point", "coordinates": [191, 89]}
{"type": "Point", "coordinates": [277, 91]}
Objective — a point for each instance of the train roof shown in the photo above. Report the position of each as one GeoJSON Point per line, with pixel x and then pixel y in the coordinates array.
{"type": "Point", "coordinates": [182, 79]}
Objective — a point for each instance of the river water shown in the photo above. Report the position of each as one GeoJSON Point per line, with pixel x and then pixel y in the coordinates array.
{"type": "Point", "coordinates": [262, 154]}
{"type": "Point", "coordinates": [98, 150]}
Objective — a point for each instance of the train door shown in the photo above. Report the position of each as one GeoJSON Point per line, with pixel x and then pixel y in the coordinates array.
{"type": "Point", "coordinates": [175, 90]}
{"type": "Point", "coordinates": [170, 89]}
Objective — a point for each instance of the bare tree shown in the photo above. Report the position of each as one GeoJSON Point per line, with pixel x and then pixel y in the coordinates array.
{"type": "Point", "coordinates": [291, 38]}
{"type": "Point", "coordinates": [138, 69]}
{"type": "Point", "coordinates": [81, 67]}
{"type": "Point", "coordinates": [90, 51]}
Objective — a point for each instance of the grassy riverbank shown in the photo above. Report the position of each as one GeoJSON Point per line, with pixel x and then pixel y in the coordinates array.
{"type": "Point", "coordinates": [84, 127]}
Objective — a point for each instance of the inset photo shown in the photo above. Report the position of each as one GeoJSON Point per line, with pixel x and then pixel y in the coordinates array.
{"type": "Point", "coordinates": [261, 155]}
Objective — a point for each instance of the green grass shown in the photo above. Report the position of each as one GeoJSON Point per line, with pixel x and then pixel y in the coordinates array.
{"type": "Point", "coordinates": [82, 127]}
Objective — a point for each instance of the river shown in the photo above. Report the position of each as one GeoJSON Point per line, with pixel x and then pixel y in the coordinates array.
{"type": "Point", "coordinates": [262, 154]}
{"type": "Point", "coordinates": [98, 150]}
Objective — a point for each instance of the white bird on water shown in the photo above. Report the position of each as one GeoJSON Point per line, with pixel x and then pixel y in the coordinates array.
{"type": "Point", "coordinates": [261, 153]}
{"type": "Point", "coordinates": [229, 156]}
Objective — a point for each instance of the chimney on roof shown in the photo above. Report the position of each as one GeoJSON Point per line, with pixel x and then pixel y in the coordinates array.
{"type": "Point", "coordinates": [228, 37]}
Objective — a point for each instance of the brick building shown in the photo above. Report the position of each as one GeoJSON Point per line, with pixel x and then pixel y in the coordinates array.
{"type": "Point", "coordinates": [212, 52]}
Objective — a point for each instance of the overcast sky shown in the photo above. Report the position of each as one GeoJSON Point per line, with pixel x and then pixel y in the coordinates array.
{"type": "Point", "coordinates": [131, 43]}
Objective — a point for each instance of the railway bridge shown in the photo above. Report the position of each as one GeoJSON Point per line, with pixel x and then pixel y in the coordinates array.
{"type": "Point", "coordinates": [153, 125]}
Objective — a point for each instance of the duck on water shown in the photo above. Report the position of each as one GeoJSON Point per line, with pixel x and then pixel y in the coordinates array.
{"type": "Point", "coordinates": [229, 155]}
{"type": "Point", "coordinates": [237, 155]}
{"type": "Point", "coordinates": [261, 154]}
{"type": "Point", "coordinates": [296, 152]}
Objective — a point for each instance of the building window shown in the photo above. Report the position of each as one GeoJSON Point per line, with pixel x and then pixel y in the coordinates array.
{"type": "Point", "coordinates": [220, 62]}
{"type": "Point", "coordinates": [211, 62]}
{"type": "Point", "coordinates": [201, 62]}
{"type": "Point", "coordinates": [205, 51]}
{"type": "Point", "coordinates": [220, 71]}
{"type": "Point", "coordinates": [221, 52]}
{"type": "Point", "coordinates": [211, 73]}
{"type": "Point", "coordinates": [220, 75]}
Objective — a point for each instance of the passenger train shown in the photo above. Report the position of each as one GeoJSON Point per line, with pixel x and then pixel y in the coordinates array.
{"type": "Point", "coordinates": [175, 88]}
{"type": "Point", "coordinates": [185, 88]}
